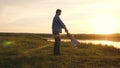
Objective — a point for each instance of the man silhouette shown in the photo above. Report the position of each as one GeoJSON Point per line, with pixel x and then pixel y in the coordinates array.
{"type": "Point", "coordinates": [57, 26]}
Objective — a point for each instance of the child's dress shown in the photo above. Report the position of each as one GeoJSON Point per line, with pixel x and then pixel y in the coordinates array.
{"type": "Point", "coordinates": [74, 42]}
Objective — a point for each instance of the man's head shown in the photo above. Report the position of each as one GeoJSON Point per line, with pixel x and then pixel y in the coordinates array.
{"type": "Point", "coordinates": [58, 11]}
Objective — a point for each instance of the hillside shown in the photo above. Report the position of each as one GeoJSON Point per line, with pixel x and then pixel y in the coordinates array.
{"type": "Point", "coordinates": [30, 51]}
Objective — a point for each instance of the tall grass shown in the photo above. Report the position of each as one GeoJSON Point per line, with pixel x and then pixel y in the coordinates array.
{"type": "Point", "coordinates": [25, 52]}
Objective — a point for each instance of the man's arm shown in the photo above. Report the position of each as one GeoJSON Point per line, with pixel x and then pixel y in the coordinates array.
{"type": "Point", "coordinates": [62, 24]}
{"type": "Point", "coordinates": [66, 30]}
{"type": "Point", "coordinates": [59, 21]}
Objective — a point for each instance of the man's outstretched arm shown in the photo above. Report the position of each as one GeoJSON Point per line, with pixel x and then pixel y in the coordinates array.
{"type": "Point", "coordinates": [62, 24]}
{"type": "Point", "coordinates": [66, 30]}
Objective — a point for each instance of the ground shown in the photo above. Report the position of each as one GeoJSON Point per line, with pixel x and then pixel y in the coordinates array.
{"type": "Point", "coordinates": [33, 52]}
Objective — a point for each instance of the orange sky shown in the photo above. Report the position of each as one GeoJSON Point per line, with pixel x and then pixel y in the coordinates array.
{"type": "Point", "coordinates": [80, 16]}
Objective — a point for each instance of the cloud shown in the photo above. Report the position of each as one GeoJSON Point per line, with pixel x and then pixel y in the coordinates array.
{"type": "Point", "coordinates": [39, 13]}
{"type": "Point", "coordinates": [12, 10]}
{"type": "Point", "coordinates": [18, 2]}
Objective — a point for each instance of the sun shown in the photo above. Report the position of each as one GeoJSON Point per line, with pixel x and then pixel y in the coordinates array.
{"type": "Point", "coordinates": [104, 24]}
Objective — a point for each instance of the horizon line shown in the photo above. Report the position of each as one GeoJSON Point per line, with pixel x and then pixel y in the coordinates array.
{"type": "Point", "coordinates": [51, 33]}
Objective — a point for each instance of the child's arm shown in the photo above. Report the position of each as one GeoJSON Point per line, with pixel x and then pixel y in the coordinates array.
{"type": "Point", "coordinates": [69, 36]}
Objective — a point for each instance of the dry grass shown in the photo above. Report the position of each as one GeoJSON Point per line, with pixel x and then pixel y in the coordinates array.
{"type": "Point", "coordinates": [86, 56]}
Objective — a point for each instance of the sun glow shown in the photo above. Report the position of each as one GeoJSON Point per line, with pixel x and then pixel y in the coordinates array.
{"type": "Point", "coordinates": [104, 24]}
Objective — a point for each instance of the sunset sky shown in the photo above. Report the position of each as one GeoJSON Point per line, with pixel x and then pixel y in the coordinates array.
{"type": "Point", "coordinates": [80, 16]}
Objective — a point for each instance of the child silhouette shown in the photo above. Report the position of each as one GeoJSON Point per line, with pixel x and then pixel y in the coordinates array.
{"type": "Point", "coordinates": [74, 42]}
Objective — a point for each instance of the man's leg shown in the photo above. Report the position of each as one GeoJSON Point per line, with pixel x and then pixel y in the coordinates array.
{"type": "Point", "coordinates": [57, 44]}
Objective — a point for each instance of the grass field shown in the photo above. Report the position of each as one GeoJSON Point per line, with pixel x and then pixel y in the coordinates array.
{"type": "Point", "coordinates": [31, 51]}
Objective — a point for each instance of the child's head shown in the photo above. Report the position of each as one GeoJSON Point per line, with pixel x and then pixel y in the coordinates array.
{"type": "Point", "coordinates": [70, 36]}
